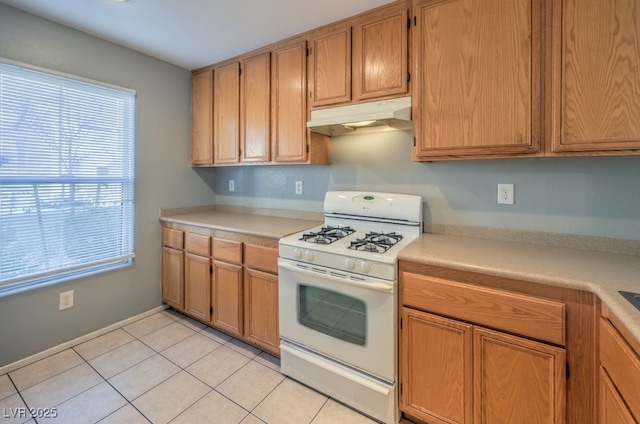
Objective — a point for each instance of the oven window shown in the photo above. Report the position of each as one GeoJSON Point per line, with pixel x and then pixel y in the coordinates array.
{"type": "Point", "coordinates": [334, 314]}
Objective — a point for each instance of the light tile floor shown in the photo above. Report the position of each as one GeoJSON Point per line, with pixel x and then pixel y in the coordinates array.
{"type": "Point", "coordinates": [160, 369]}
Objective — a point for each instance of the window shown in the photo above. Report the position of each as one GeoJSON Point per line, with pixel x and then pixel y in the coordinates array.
{"type": "Point", "coordinates": [66, 176]}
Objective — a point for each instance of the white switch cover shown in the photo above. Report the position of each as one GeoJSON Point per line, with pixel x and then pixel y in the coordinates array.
{"type": "Point", "coordinates": [298, 187]}
{"type": "Point", "coordinates": [232, 185]}
{"type": "Point", "coordinates": [66, 300]}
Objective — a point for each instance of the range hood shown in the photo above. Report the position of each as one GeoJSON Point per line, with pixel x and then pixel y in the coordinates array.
{"type": "Point", "coordinates": [371, 116]}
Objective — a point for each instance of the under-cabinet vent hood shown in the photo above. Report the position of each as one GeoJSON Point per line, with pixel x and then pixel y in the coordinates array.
{"type": "Point", "coordinates": [371, 116]}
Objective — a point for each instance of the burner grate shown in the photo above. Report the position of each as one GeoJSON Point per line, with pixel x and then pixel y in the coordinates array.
{"type": "Point", "coordinates": [327, 235]}
{"type": "Point", "coordinates": [376, 242]}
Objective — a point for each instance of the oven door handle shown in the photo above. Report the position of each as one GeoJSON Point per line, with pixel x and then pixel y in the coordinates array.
{"type": "Point", "coordinates": [366, 284]}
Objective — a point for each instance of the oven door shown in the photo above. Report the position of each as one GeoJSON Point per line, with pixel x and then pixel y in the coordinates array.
{"type": "Point", "coordinates": [349, 318]}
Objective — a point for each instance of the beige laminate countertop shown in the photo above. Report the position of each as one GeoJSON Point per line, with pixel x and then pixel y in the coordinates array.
{"type": "Point", "coordinates": [243, 223]}
{"type": "Point", "coordinates": [601, 273]}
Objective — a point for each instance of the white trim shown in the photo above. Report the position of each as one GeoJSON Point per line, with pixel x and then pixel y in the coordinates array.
{"type": "Point", "coordinates": [66, 75]}
{"type": "Point", "coordinates": [66, 345]}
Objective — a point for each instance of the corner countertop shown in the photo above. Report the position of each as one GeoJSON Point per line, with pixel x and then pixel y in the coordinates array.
{"type": "Point", "coordinates": [601, 273]}
{"type": "Point", "coordinates": [260, 225]}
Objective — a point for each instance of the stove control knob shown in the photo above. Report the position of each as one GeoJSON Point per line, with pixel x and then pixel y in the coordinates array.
{"type": "Point", "coordinates": [309, 255]}
{"type": "Point", "coordinates": [350, 263]}
{"type": "Point", "coordinates": [297, 253]}
{"type": "Point", "coordinates": [365, 267]}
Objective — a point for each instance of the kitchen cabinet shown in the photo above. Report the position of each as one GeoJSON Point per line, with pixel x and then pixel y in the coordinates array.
{"type": "Point", "coordinates": [360, 58]}
{"type": "Point", "coordinates": [291, 141]}
{"type": "Point", "coordinates": [330, 65]}
{"type": "Point", "coordinates": [197, 276]}
{"type": "Point", "coordinates": [226, 113]}
{"type": "Point", "coordinates": [202, 118]}
{"type": "Point", "coordinates": [477, 67]}
{"type": "Point", "coordinates": [173, 268]}
{"type": "Point", "coordinates": [255, 101]}
{"type": "Point", "coordinates": [595, 99]}
{"type": "Point", "coordinates": [619, 373]}
{"type": "Point", "coordinates": [261, 295]}
{"type": "Point", "coordinates": [479, 348]}
{"type": "Point", "coordinates": [226, 280]}
{"type": "Point", "coordinates": [227, 285]}
{"type": "Point", "coordinates": [381, 52]}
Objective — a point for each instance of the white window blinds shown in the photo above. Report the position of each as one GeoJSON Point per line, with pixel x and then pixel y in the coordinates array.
{"type": "Point", "coordinates": [66, 176]}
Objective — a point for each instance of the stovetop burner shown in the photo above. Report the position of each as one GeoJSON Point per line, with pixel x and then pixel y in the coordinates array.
{"type": "Point", "coordinates": [327, 235]}
{"type": "Point", "coordinates": [376, 242]}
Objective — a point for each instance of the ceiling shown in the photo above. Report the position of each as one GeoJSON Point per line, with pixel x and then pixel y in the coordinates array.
{"type": "Point", "coordinates": [194, 33]}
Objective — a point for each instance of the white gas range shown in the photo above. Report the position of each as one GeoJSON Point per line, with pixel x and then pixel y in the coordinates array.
{"type": "Point", "coordinates": [338, 298]}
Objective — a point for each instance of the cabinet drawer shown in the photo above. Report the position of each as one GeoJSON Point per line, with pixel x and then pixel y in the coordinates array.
{"type": "Point", "coordinates": [227, 250]}
{"type": "Point", "coordinates": [516, 313]}
{"type": "Point", "coordinates": [197, 244]}
{"type": "Point", "coordinates": [172, 238]}
{"type": "Point", "coordinates": [622, 364]}
{"type": "Point", "coordinates": [261, 257]}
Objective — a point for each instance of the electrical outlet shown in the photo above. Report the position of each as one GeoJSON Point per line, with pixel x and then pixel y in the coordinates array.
{"type": "Point", "coordinates": [66, 300]}
{"type": "Point", "coordinates": [298, 187]}
{"type": "Point", "coordinates": [232, 185]}
{"type": "Point", "coordinates": [505, 194]}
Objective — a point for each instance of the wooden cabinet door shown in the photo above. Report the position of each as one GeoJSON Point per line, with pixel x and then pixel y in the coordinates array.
{"type": "Point", "coordinates": [226, 113]}
{"type": "Point", "coordinates": [435, 368]}
{"type": "Point", "coordinates": [261, 310]}
{"type": "Point", "coordinates": [596, 63]}
{"type": "Point", "coordinates": [173, 277]}
{"type": "Point", "coordinates": [255, 98]}
{"type": "Point", "coordinates": [612, 409]}
{"type": "Point", "coordinates": [202, 118]}
{"type": "Point", "coordinates": [517, 380]}
{"type": "Point", "coordinates": [288, 102]}
{"type": "Point", "coordinates": [227, 297]}
{"type": "Point", "coordinates": [330, 66]}
{"type": "Point", "coordinates": [381, 53]}
{"type": "Point", "coordinates": [477, 85]}
{"type": "Point", "coordinates": [197, 286]}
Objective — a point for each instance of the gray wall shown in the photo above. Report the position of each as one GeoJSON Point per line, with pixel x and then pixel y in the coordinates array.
{"type": "Point", "coordinates": [594, 196]}
{"type": "Point", "coordinates": [30, 322]}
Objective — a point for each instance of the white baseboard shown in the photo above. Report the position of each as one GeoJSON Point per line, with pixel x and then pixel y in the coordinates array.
{"type": "Point", "coordinates": [66, 345]}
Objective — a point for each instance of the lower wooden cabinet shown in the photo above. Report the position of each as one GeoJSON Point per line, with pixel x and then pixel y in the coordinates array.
{"type": "Point", "coordinates": [226, 280]}
{"type": "Point", "coordinates": [619, 373]}
{"type": "Point", "coordinates": [477, 348]}
{"type": "Point", "coordinates": [227, 297]}
{"type": "Point", "coordinates": [455, 372]}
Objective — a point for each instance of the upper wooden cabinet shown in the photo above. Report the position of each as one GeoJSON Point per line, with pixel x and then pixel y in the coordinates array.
{"type": "Point", "coordinates": [330, 66]}
{"type": "Point", "coordinates": [255, 113]}
{"type": "Point", "coordinates": [596, 88]}
{"type": "Point", "coordinates": [226, 113]}
{"type": "Point", "coordinates": [291, 141]}
{"type": "Point", "coordinates": [202, 118]}
{"type": "Point", "coordinates": [361, 58]}
{"type": "Point", "coordinates": [381, 52]}
{"type": "Point", "coordinates": [477, 78]}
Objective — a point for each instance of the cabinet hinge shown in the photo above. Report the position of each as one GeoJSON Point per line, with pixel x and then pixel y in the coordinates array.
{"type": "Point", "coordinates": [415, 21]}
{"type": "Point", "coordinates": [307, 148]}
{"type": "Point", "coordinates": [414, 141]}
{"type": "Point", "coordinates": [408, 76]}
{"type": "Point", "coordinates": [239, 71]}
{"type": "Point", "coordinates": [567, 372]}
{"type": "Point", "coordinates": [210, 269]}
{"type": "Point", "coordinates": [401, 323]}
{"type": "Point", "coordinates": [408, 22]}
{"type": "Point", "coordinates": [210, 310]}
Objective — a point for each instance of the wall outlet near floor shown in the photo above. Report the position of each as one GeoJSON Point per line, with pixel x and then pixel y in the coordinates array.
{"type": "Point", "coordinates": [66, 300]}
{"type": "Point", "coordinates": [505, 194]}
{"type": "Point", "coordinates": [232, 185]}
{"type": "Point", "coordinates": [298, 187]}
